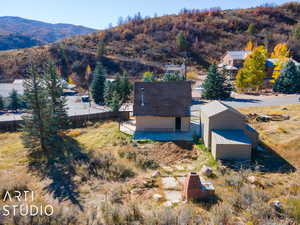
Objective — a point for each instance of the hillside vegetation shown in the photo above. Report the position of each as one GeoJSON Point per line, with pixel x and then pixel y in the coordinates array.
{"type": "Point", "coordinates": [136, 45]}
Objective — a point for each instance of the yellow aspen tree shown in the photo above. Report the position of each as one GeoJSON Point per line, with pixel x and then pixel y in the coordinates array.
{"type": "Point", "coordinates": [252, 74]}
{"type": "Point", "coordinates": [249, 46]}
{"type": "Point", "coordinates": [281, 53]}
{"type": "Point", "coordinates": [280, 49]}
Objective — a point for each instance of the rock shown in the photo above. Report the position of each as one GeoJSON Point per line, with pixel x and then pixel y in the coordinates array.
{"type": "Point", "coordinates": [207, 171]}
{"type": "Point", "coordinates": [173, 196]}
{"type": "Point", "coordinates": [136, 191]}
{"type": "Point", "coordinates": [167, 169]}
{"type": "Point", "coordinates": [157, 196]}
{"type": "Point", "coordinates": [277, 205]}
{"type": "Point", "coordinates": [168, 204]}
{"type": "Point", "coordinates": [169, 183]}
{"type": "Point", "coordinates": [155, 174]}
{"type": "Point", "coordinates": [180, 168]}
{"type": "Point", "coordinates": [284, 108]}
{"type": "Point", "coordinates": [252, 179]}
{"type": "Point", "coordinates": [190, 167]}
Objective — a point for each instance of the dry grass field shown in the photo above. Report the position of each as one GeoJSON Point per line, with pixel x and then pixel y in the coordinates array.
{"type": "Point", "coordinates": [281, 136]}
{"type": "Point", "coordinates": [126, 183]}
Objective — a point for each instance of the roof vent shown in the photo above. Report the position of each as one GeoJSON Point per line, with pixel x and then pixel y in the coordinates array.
{"type": "Point", "coordinates": [142, 97]}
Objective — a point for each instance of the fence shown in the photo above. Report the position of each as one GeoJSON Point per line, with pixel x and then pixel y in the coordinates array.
{"type": "Point", "coordinates": [76, 120]}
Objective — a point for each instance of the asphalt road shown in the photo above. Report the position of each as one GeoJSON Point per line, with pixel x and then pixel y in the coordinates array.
{"type": "Point", "coordinates": [244, 102]}
{"type": "Point", "coordinates": [75, 107]}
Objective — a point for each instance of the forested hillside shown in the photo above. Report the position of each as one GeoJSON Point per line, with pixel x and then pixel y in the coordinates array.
{"type": "Point", "coordinates": [146, 44]}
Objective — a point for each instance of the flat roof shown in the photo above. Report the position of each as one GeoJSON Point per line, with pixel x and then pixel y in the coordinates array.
{"type": "Point", "coordinates": [232, 137]}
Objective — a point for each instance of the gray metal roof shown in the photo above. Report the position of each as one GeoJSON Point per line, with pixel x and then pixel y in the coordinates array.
{"type": "Point", "coordinates": [272, 62]}
{"type": "Point", "coordinates": [216, 107]}
{"type": "Point", "coordinates": [7, 88]}
{"type": "Point", "coordinates": [231, 137]}
{"type": "Point", "coordinates": [238, 54]}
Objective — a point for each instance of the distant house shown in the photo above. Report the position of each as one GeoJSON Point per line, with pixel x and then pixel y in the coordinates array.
{"type": "Point", "coordinates": [162, 106]}
{"type": "Point", "coordinates": [233, 61]}
{"type": "Point", "coordinates": [181, 69]}
{"type": "Point", "coordinates": [225, 132]}
{"type": "Point", "coordinates": [7, 88]}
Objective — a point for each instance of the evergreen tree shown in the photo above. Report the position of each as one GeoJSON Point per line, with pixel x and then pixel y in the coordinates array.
{"type": "Point", "coordinates": [37, 136]}
{"type": "Point", "coordinates": [100, 49]}
{"type": "Point", "coordinates": [115, 102]}
{"type": "Point", "coordinates": [14, 100]}
{"type": "Point", "coordinates": [173, 77]}
{"type": "Point", "coordinates": [98, 82]}
{"type": "Point", "coordinates": [1, 103]}
{"type": "Point", "coordinates": [215, 86]}
{"type": "Point", "coordinates": [251, 28]}
{"type": "Point", "coordinates": [108, 91]}
{"type": "Point", "coordinates": [289, 79]}
{"type": "Point", "coordinates": [117, 92]}
{"type": "Point", "coordinates": [58, 107]}
{"type": "Point", "coordinates": [181, 42]}
{"type": "Point", "coordinates": [124, 88]}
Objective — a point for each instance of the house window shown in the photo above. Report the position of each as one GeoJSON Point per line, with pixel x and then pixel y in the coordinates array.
{"type": "Point", "coordinates": [178, 123]}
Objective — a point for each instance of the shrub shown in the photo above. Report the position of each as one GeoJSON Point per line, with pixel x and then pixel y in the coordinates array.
{"type": "Point", "coordinates": [141, 158]}
{"type": "Point", "coordinates": [221, 214]}
{"type": "Point", "coordinates": [294, 209]}
{"type": "Point", "coordinates": [235, 180]}
{"type": "Point", "coordinates": [106, 167]}
{"type": "Point", "coordinates": [145, 163]}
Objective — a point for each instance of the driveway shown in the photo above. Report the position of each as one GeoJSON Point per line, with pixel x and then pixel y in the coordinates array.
{"type": "Point", "coordinates": [244, 101]}
{"type": "Point", "coordinates": [75, 107]}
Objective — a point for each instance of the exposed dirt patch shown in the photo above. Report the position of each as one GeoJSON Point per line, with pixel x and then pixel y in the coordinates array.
{"type": "Point", "coordinates": [170, 152]}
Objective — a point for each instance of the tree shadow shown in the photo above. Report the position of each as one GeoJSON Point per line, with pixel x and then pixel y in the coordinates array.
{"type": "Point", "coordinates": [61, 169]}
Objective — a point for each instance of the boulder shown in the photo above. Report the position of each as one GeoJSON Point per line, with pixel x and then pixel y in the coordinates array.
{"type": "Point", "coordinates": [155, 174]}
{"type": "Point", "coordinates": [168, 204]}
{"type": "Point", "coordinates": [277, 205]}
{"type": "Point", "coordinates": [206, 171]}
{"type": "Point", "coordinates": [252, 179]}
{"type": "Point", "coordinates": [157, 197]}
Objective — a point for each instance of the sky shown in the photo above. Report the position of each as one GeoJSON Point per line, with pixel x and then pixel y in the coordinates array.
{"type": "Point", "coordinates": [99, 14]}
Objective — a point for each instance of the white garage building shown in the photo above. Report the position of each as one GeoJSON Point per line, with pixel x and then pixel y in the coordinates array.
{"type": "Point", "coordinates": [226, 133]}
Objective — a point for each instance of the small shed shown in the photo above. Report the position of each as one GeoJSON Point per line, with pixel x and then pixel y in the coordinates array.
{"type": "Point", "coordinates": [226, 132]}
{"type": "Point", "coordinates": [230, 145]}
{"type": "Point", "coordinates": [217, 115]}
{"type": "Point", "coordinates": [162, 106]}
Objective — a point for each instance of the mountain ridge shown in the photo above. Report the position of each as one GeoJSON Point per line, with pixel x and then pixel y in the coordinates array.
{"type": "Point", "coordinates": [36, 32]}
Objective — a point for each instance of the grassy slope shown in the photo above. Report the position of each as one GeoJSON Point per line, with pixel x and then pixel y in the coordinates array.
{"type": "Point", "coordinates": [282, 136]}
{"type": "Point", "coordinates": [105, 137]}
